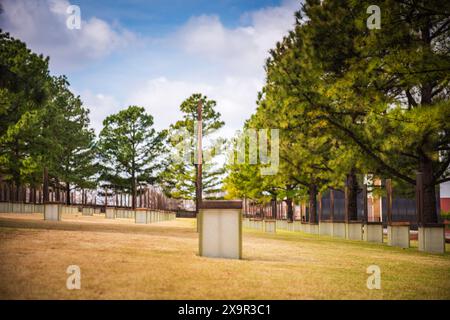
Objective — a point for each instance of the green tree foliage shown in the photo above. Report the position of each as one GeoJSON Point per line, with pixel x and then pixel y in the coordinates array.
{"type": "Point", "coordinates": [385, 83]}
{"type": "Point", "coordinates": [24, 82]}
{"type": "Point", "coordinates": [179, 176]}
{"type": "Point", "coordinates": [43, 126]}
{"type": "Point", "coordinates": [66, 133]}
{"type": "Point", "coordinates": [352, 100]}
{"type": "Point", "coordinates": [130, 149]}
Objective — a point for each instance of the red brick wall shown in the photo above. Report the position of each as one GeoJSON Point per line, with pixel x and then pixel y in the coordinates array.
{"type": "Point", "coordinates": [445, 204]}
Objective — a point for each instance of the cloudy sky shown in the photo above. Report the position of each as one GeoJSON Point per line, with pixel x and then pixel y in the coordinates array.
{"type": "Point", "coordinates": [155, 53]}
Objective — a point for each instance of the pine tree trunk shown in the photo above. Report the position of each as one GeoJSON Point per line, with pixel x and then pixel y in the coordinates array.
{"type": "Point", "coordinates": [58, 195]}
{"type": "Point", "coordinates": [45, 186]}
{"type": "Point", "coordinates": [68, 193]}
{"type": "Point", "coordinates": [290, 212]}
{"type": "Point", "coordinates": [352, 196]}
{"type": "Point", "coordinates": [429, 193]}
{"type": "Point", "coordinates": [133, 192]}
{"type": "Point", "coordinates": [274, 207]}
{"type": "Point", "coordinates": [312, 203]}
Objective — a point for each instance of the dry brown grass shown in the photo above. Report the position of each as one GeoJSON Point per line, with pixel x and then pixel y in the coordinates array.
{"type": "Point", "coordinates": [120, 260]}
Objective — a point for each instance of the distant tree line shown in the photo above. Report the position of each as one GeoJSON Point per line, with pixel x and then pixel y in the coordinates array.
{"type": "Point", "coordinates": [46, 140]}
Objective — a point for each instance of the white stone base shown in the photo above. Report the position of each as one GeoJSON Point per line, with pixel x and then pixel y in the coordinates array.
{"type": "Point", "coordinates": [270, 226]}
{"type": "Point", "coordinates": [88, 211]}
{"type": "Point", "coordinates": [398, 235]}
{"type": "Point", "coordinates": [311, 228]}
{"type": "Point", "coordinates": [110, 213]}
{"type": "Point", "coordinates": [69, 209]}
{"type": "Point", "coordinates": [9, 207]}
{"type": "Point", "coordinates": [297, 226]}
{"type": "Point", "coordinates": [373, 232]}
{"type": "Point", "coordinates": [52, 211]}
{"type": "Point", "coordinates": [339, 230]}
{"type": "Point", "coordinates": [141, 216]}
{"type": "Point", "coordinates": [354, 231]}
{"type": "Point", "coordinates": [282, 224]}
{"type": "Point", "coordinates": [220, 233]}
{"type": "Point", "coordinates": [290, 226]}
{"type": "Point", "coordinates": [432, 239]}
{"type": "Point", "coordinates": [325, 228]}
{"type": "Point", "coordinates": [258, 225]}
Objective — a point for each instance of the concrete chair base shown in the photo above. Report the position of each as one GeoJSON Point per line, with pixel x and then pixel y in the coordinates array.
{"type": "Point", "coordinates": [10, 207]}
{"type": "Point", "coordinates": [326, 228]}
{"type": "Point", "coordinates": [432, 238]}
{"type": "Point", "coordinates": [312, 228]}
{"type": "Point", "coordinates": [88, 212]}
{"type": "Point", "coordinates": [110, 213]}
{"type": "Point", "coordinates": [354, 230]}
{"type": "Point", "coordinates": [69, 209]}
{"type": "Point", "coordinates": [52, 211]}
{"type": "Point", "coordinates": [398, 234]}
{"type": "Point", "coordinates": [297, 226]}
{"type": "Point", "coordinates": [141, 216]}
{"type": "Point", "coordinates": [258, 224]}
{"type": "Point", "coordinates": [339, 229]}
{"type": "Point", "coordinates": [290, 226]}
{"type": "Point", "coordinates": [220, 233]}
{"type": "Point", "coordinates": [282, 224]}
{"type": "Point", "coordinates": [373, 232]}
{"type": "Point", "coordinates": [270, 226]}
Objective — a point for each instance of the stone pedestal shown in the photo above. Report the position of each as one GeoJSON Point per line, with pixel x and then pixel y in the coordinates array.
{"type": "Point", "coordinates": [325, 228]}
{"type": "Point", "coordinates": [354, 230]}
{"type": "Point", "coordinates": [312, 228]}
{"type": "Point", "coordinates": [282, 224]}
{"type": "Point", "coordinates": [52, 211]}
{"type": "Point", "coordinates": [297, 225]}
{"type": "Point", "coordinates": [373, 232]}
{"type": "Point", "coordinates": [398, 234]}
{"type": "Point", "coordinates": [88, 211]}
{"type": "Point", "coordinates": [339, 229]}
{"type": "Point", "coordinates": [220, 232]}
{"type": "Point", "coordinates": [270, 226]}
{"type": "Point", "coordinates": [432, 238]}
{"type": "Point", "coordinates": [4, 207]}
{"type": "Point", "coordinates": [258, 224]}
{"type": "Point", "coordinates": [110, 213]}
{"type": "Point", "coordinates": [289, 226]}
{"type": "Point", "coordinates": [141, 216]}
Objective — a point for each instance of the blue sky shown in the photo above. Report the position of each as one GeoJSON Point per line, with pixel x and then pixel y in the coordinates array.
{"type": "Point", "coordinates": [156, 53]}
{"type": "Point", "coordinates": [160, 16]}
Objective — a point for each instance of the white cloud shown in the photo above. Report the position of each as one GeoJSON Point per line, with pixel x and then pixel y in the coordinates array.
{"type": "Point", "coordinates": [240, 52]}
{"type": "Point", "coordinates": [235, 99]}
{"type": "Point", "coordinates": [100, 106]}
{"type": "Point", "coordinates": [225, 63]}
{"type": "Point", "coordinates": [42, 25]}
{"type": "Point", "coordinates": [242, 49]}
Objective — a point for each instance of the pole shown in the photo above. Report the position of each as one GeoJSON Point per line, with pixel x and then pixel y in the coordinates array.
{"type": "Point", "coordinates": [198, 185]}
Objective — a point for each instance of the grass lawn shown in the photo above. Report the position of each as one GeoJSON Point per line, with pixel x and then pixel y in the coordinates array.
{"type": "Point", "coordinates": [121, 260]}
